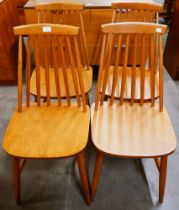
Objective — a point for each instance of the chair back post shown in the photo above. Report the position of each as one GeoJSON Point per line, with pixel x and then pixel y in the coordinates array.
{"type": "Point", "coordinates": [20, 66]}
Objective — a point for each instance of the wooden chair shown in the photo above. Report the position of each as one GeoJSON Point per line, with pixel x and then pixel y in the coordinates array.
{"type": "Point", "coordinates": [131, 12]}
{"type": "Point", "coordinates": [136, 11]}
{"type": "Point", "coordinates": [71, 14]}
{"type": "Point", "coordinates": [52, 129]}
{"type": "Point", "coordinates": [129, 129]}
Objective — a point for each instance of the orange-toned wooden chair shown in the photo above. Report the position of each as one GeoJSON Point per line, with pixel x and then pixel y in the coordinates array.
{"type": "Point", "coordinates": [131, 12]}
{"type": "Point", "coordinates": [71, 14]}
{"type": "Point", "coordinates": [51, 129]}
{"type": "Point", "coordinates": [129, 129]}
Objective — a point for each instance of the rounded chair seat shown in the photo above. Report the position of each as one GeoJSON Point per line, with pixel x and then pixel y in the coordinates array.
{"type": "Point", "coordinates": [87, 80]}
{"type": "Point", "coordinates": [132, 131]}
{"type": "Point", "coordinates": [47, 132]}
{"type": "Point", "coordinates": [127, 92]}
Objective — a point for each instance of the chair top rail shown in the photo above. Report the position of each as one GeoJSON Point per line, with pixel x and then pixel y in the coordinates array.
{"type": "Point", "coordinates": [134, 27]}
{"type": "Point", "coordinates": [59, 6]}
{"type": "Point", "coordinates": [59, 29]}
{"type": "Point", "coordinates": [150, 6]}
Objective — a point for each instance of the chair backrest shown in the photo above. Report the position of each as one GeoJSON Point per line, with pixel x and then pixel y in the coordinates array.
{"type": "Point", "coordinates": [137, 11]}
{"type": "Point", "coordinates": [60, 42]}
{"type": "Point", "coordinates": [64, 13]}
{"type": "Point", "coordinates": [139, 33]}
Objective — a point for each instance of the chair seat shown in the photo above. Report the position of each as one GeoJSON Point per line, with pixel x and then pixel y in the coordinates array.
{"type": "Point", "coordinates": [132, 131]}
{"type": "Point", "coordinates": [127, 93]}
{"type": "Point", "coordinates": [87, 79]}
{"type": "Point", "coordinates": [47, 132]}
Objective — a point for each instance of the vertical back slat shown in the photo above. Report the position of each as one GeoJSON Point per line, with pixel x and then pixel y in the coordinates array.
{"type": "Point", "coordinates": [47, 76]}
{"type": "Point", "coordinates": [113, 16]}
{"type": "Point", "coordinates": [142, 70]}
{"type": "Point", "coordinates": [38, 16]}
{"type": "Point", "coordinates": [64, 69]}
{"type": "Point", "coordinates": [80, 74]}
{"type": "Point", "coordinates": [75, 82]}
{"type": "Point", "coordinates": [160, 73]}
{"type": "Point", "coordinates": [54, 46]}
{"type": "Point", "coordinates": [84, 39]}
{"type": "Point", "coordinates": [157, 17]}
{"type": "Point", "coordinates": [37, 67]}
{"type": "Point", "coordinates": [28, 72]}
{"type": "Point", "coordinates": [116, 66]}
{"type": "Point", "coordinates": [156, 52]}
{"type": "Point", "coordinates": [124, 72]}
{"type": "Point", "coordinates": [102, 60]}
{"type": "Point", "coordinates": [134, 61]}
{"type": "Point", "coordinates": [152, 69]}
{"type": "Point", "coordinates": [109, 49]}
{"type": "Point", "coordinates": [20, 65]}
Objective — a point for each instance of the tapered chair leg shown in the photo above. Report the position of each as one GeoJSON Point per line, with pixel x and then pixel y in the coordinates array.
{"type": "Point", "coordinates": [16, 177]}
{"type": "Point", "coordinates": [87, 99]}
{"type": "Point", "coordinates": [162, 179]}
{"type": "Point", "coordinates": [97, 172]}
{"type": "Point", "coordinates": [83, 175]}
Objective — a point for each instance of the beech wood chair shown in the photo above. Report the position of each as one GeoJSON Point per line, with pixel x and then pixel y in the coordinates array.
{"type": "Point", "coordinates": [52, 129]}
{"type": "Point", "coordinates": [131, 12]}
{"type": "Point", "coordinates": [129, 129]}
{"type": "Point", "coordinates": [71, 14]}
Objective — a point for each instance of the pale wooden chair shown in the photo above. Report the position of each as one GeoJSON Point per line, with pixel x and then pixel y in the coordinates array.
{"type": "Point", "coordinates": [52, 129]}
{"type": "Point", "coordinates": [129, 129]}
{"type": "Point", "coordinates": [131, 12]}
{"type": "Point", "coordinates": [71, 14]}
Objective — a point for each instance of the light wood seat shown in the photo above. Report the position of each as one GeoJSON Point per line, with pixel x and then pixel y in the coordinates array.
{"type": "Point", "coordinates": [127, 93]}
{"type": "Point", "coordinates": [63, 13]}
{"type": "Point", "coordinates": [57, 128]}
{"type": "Point", "coordinates": [130, 129]}
{"type": "Point", "coordinates": [37, 132]}
{"type": "Point", "coordinates": [130, 12]}
{"type": "Point", "coordinates": [87, 76]}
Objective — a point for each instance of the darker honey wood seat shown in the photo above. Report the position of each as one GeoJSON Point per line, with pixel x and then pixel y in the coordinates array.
{"type": "Point", "coordinates": [38, 132]}
{"type": "Point", "coordinates": [87, 77]}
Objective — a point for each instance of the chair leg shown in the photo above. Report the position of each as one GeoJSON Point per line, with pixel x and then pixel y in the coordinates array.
{"type": "Point", "coordinates": [162, 179]}
{"type": "Point", "coordinates": [87, 99]}
{"type": "Point", "coordinates": [35, 98]}
{"type": "Point", "coordinates": [97, 172]}
{"type": "Point", "coordinates": [16, 177]}
{"type": "Point", "coordinates": [83, 175]}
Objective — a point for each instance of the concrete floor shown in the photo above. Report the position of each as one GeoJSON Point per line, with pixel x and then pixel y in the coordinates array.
{"type": "Point", "coordinates": [125, 184]}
